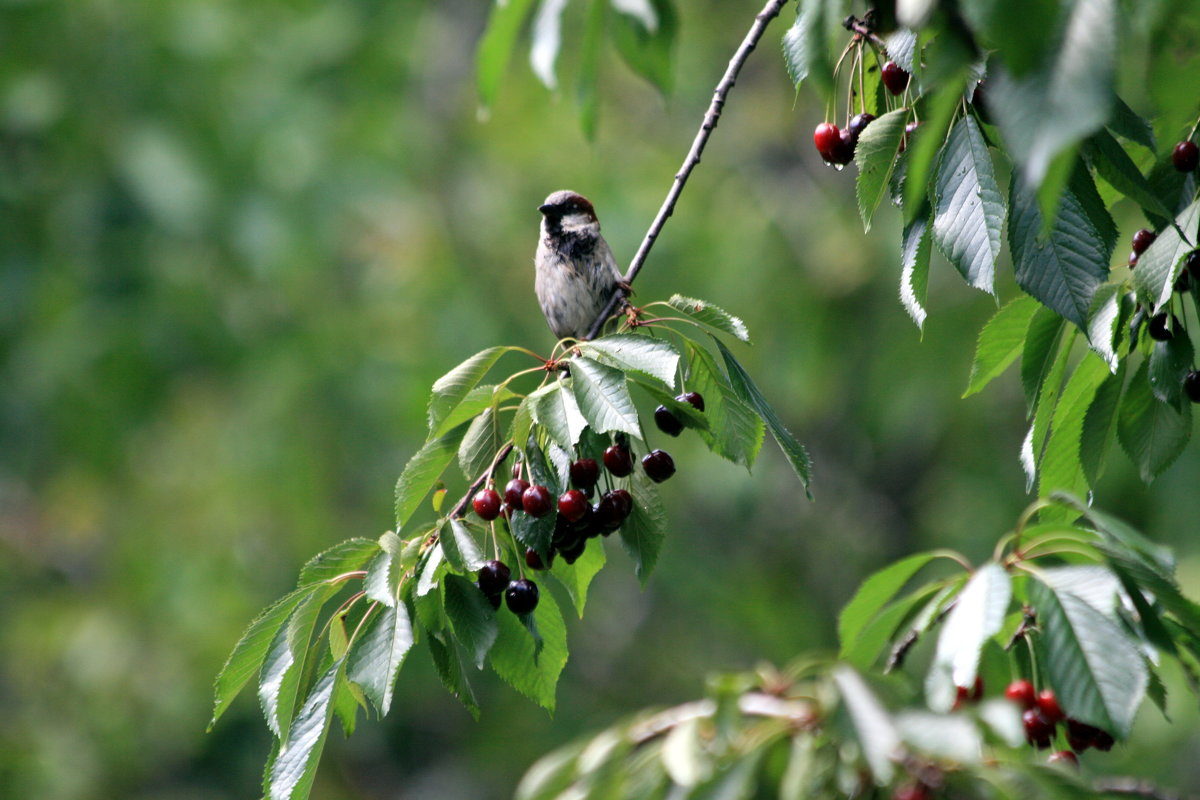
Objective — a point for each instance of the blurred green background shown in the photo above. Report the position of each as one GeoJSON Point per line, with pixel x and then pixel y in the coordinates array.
{"type": "Point", "coordinates": [238, 241]}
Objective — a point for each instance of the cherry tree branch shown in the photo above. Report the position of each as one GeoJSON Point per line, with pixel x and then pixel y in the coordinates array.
{"type": "Point", "coordinates": [761, 20]}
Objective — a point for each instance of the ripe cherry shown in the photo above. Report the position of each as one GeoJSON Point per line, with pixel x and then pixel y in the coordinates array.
{"type": "Point", "coordinates": [911, 791]}
{"type": "Point", "coordinates": [1102, 741]}
{"type": "Point", "coordinates": [585, 473]}
{"type": "Point", "coordinates": [1186, 156]}
{"type": "Point", "coordinates": [857, 123]}
{"type": "Point", "coordinates": [537, 501]}
{"type": "Point", "coordinates": [612, 509]}
{"type": "Point", "coordinates": [1080, 736]}
{"type": "Point", "coordinates": [1143, 239]}
{"type": "Point", "coordinates": [513, 491]}
{"type": "Point", "coordinates": [1063, 757]}
{"type": "Point", "coordinates": [658, 465]}
{"type": "Point", "coordinates": [618, 460]}
{"type": "Point", "coordinates": [667, 422]}
{"type": "Point", "coordinates": [1133, 259]}
{"type": "Point", "coordinates": [1158, 328]}
{"type": "Point", "coordinates": [486, 504]}
{"type": "Point", "coordinates": [1191, 263]}
{"type": "Point", "coordinates": [1038, 730]}
{"type": "Point", "coordinates": [493, 577]}
{"type": "Point", "coordinates": [573, 504]}
{"type": "Point", "coordinates": [521, 596]}
{"type": "Point", "coordinates": [533, 559]}
{"type": "Point", "coordinates": [696, 401]}
{"type": "Point", "coordinates": [1047, 703]}
{"type": "Point", "coordinates": [843, 153]}
{"type": "Point", "coordinates": [894, 78]}
{"type": "Point", "coordinates": [1022, 693]}
{"type": "Point", "coordinates": [963, 695]}
{"type": "Point", "coordinates": [1191, 386]}
{"type": "Point", "coordinates": [494, 599]}
{"type": "Point", "coordinates": [826, 138]}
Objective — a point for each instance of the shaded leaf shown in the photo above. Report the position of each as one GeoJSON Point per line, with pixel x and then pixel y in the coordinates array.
{"type": "Point", "coordinates": [1037, 357]}
{"type": "Point", "coordinates": [472, 617]}
{"type": "Point", "coordinates": [644, 529]}
{"type": "Point", "coordinates": [450, 671]}
{"type": "Point", "coordinates": [1117, 168]}
{"type": "Point", "coordinates": [735, 430]}
{"type": "Point", "coordinates": [1061, 467]}
{"type": "Point", "coordinates": [1153, 433]}
{"type": "Point", "coordinates": [576, 577]}
{"type": "Point", "coordinates": [1001, 340]}
{"type": "Point", "coordinates": [1170, 362]}
{"type": "Point", "coordinates": [875, 155]}
{"type": "Point", "coordinates": [460, 547]}
{"type": "Point", "coordinates": [1100, 426]}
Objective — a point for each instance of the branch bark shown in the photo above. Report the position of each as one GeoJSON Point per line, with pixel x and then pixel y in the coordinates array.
{"type": "Point", "coordinates": [711, 117]}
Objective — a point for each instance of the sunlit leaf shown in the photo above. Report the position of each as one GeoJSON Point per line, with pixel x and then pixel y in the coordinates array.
{"type": "Point", "coordinates": [708, 314]}
{"type": "Point", "coordinates": [1158, 267]}
{"type": "Point", "coordinates": [295, 766]}
{"type": "Point", "coordinates": [626, 351]}
{"type": "Point", "coordinates": [453, 388]}
{"type": "Point", "coordinates": [423, 471]}
{"type": "Point", "coordinates": [968, 210]}
{"type": "Point", "coordinates": [1001, 340]}
{"type": "Point", "coordinates": [874, 592]}
{"type": "Point", "coordinates": [914, 262]}
{"type": "Point", "coordinates": [376, 656]}
{"type": "Point", "coordinates": [977, 615]}
{"type": "Point", "coordinates": [874, 727]}
{"type": "Point", "coordinates": [603, 397]}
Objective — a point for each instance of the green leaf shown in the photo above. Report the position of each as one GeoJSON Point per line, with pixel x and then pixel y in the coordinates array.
{"type": "Point", "coordinates": [499, 38]}
{"type": "Point", "coordinates": [914, 274]}
{"type": "Point", "coordinates": [453, 388]}
{"type": "Point", "coordinates": [1063, 268]}
{"type": "Point", "coordinates": [479, 398]}
{"type": "Point", "coordinates": [1153, 433]}
{"type": "Point", "coordinates": [1096, 671]}
{"type": "Point", "coordinates": [380, 582]}
{"type": "Point", "coordinates": [295, 766]}
{"type": "Point", "coordinates": [875, 156]}
{"type": "Point", "coordinates": [901, 46]}
{"type": "Point", "coordinates": [1157, 268]}
{"type": "Point", "coordinates": [874, 592]}
{"type": "Point", "coordinates": [460, 547]}
{"type": "Point", "coordinates": [547, 41]}
{"type": "Point", "coordinates": [1100, 426]}
{"type": "Point", "coordinates": [710, 315]}
{"type": "Point", "coordinates": [576, 577]}
{"type": "Point", "coordinates": [279, 679]}
{"type": "Point", "coordinates": [684, 756]}
{"type": "Point", "coordinates": [1084, 188]}
{"type": "Point", "coordinates": [431, 571]}
{"type": "Point", "coordinates": [478, 448]}
{"type": "Point", "coordinates": [644, 529]}
{"type": "Point", "coordinates": [376, 656]}
{"type": "Point", "coordinates": [516, 659]}
{"type": "Point", "coordinates": [863, 649]}
{"type": "Point", "coordinates": [423, 471]}
{"type": "Point", "coordinates": [657, 358]}
{"type": "Point", "coordinates": [1061, 466]}
{"type": "Point", "coordinates": [968, 210]}
{"type": "Point", "coordinates": [978, 614]}
{"type": "Point", "coordinates": [743, 384]}
{"type": "Point", "coordinates": [555, 409]}
{"type": "Point", "coordinates": [1126, 122]}
{"type": "Point", "coordinates": [347, 698]}
{"type": "Point", "coordinates": [1037, 359]}
{"type": "Point", "coordinates": [1117, 168]}
{"type": "Point", "coordinates": [250, 651]}
{"type": "Point", "coordinates": [805, 51]}
{"type": "Point", "coordinates": [1045, 113]}
{"type": "Point", "coordinates": [925, 143]}
{"type": "Point", "coordinates": [347, 556]}
{"type": "Point", "coordinates": [472, 617]}
{"type": "Point", "coordinates": [450, 671]}
{"type": "Point", "coordinates": [603, 397]}
{"type": "Point", "coordinates": [534, 532]}
{"type": "Point", "coordinates": [1170, 362]}
{"type": "Point", "coordinates": [1103, 325]}
{"type": "Point", "coordinates": [540, 471]}
{"type": "Point", "coordinates": [1000, 342]}
{"type": "Point", "coordinates": [735, 431]}
{"type": "Point", "coordinates": [646, 47]}
{"type": "Point", "coordinates": [874, 727]}
{"type": "Point", "coordinates": [589, 66]}
{"type": "Point", "coordinates": [1035, 439]}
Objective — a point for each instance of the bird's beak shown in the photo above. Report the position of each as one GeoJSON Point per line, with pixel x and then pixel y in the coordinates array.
{"type": "Point", "coordinates": [544, 208]}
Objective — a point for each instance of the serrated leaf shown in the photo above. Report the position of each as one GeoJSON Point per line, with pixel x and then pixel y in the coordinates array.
{"type": "Point", "coordinates": [1115, 166]}
{"type": "Point", "coordinates": [805, 52]}
{"type": "Point", "coordinates": [746, 389]}
{"type": "Point", "coordinates": [576, 577]}
{"type": "Point", "coordinates": [708, 314]}
{"type": "Point", "coordinates": [1102, 325]}
{"type": "Point", "coordinates": [423, 471]}
{"type": "Point", "coordinates": [555, 409]}
{"type": "Point", "coordinates": [978, 614]}
{"type": "Point", "coordinates": [496, 46]}
{"type": "Point", "coordinates": [1035, 439]}
{"type": "Point", "coordinates": [968, 210]}
{"type": "Point", "coordinates": [540, 471]}
{"type": "Point", "coordinates": [533, 532]}
{"type": "Point", "coordinates": [875, 155]}
{"type": "Point", "coordinates": [547, 41]}
{"type": "Point", "coordinates": [459, 546]}
{"type": "Point", "coordinates": [1062, 268]}
{"type": "Point", "coordinates": [450, 671]}
{"type": "Point", "coordinates": [644, 529]}
{"type": "Point", "coordinates": [1170, 362]}
{"type": "Point", "coordinates": [516, 659]}
{"type": "Point", "coordinates": [279, 680]}
{"type": "Point", "coordinates": [1001, 340]}
{"type": "Point", "coordinates": [1037, 357]}
{"type": "Point", "coordinates": [1126, 122]}
{"type": "Point", "coordinates": [1095, 585]}
{"type": "Point", "coordinates": [914, 268]}
{"type": "Point", "coordinates": [479, 446]}
{"type": "Point", "coordinates": [603, 397]}
{"type": "Point", "coordinates": [925, 142]}
{"type": "Point", "coordinates": [248, 654]}
{"type": "Point", "coordinates": [347, 698]}
{"type": "Point", "coordinates": [376, 656]}
{"type": "Point", "coordinates": [647, 47]}
{"type": "Point", "coordinates": [657, 358]}
{"type": "Point", "coordinates": [874, 592]}
{"type": "Point", "coordinates": [481, 397]}
{"type": "Point", "coordinates": [343, 557]}
{"type": "Point", "coordinates": [431, 570]}
{"type": "Point", "coordinates": [874, 727]}
{"type": "Point", "coordinates": [735, 431]}
{"type": "Point", "coordinates": [862, 651]}
{"type": "Point", "coordinates": [1061, 467]}
{"type": "Point", "coordinates": [1100, 426]}
{"type": "Point", "coordinates": [453, 388]}
{"type": "Point", "coordinates": [1084, 188]}
{"type": "Point", "coordinates": [1153, 433]}
{"type": "Point", "coordinates": [1096, 671]}
{"type": "Point", "coordinates": [901, 47]}
{"type": "Point", "coordinates": [472, 617]}
{"type": "Point", "coordinates": [295, 765]}
{"type": "Point", "coordinates": [1157, 268]}
{"type": "Point", "coordinates": [379, 584]}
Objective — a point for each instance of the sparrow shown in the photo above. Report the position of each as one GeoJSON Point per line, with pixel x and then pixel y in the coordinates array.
{"type": "Point", "coordinates": [576, 273]}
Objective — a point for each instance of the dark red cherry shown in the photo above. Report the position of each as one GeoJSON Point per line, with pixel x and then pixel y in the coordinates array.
{"type": "Point", "coordinates": [1186, 156]}
{"type": "Point", "coordinates": [826, 138]}
{"type": "Point", "coordinates": [537, 501]}
{"type": "Point", "coordinates": [1039, 731]}
{"type": "Point", "coordinates": [486, 504]}
{"type": "Point", "coordinates": [534, 561]}
{"type": "Point", "coordinates": [612, 509]}
{"type": "Point", "coordinates": [1022, 693]}
{"type": "Point", "coordinates": [493, 577]}
{"type": "Point", "coordinates": [1080, 735]}
{"type": "Point", "coordinates": [694, 399]}
{"type": "Point", "coordinates": [667, 422]}
{"type": "Point", "coordinates": [1047, 703]}
{"type": "Point", "coordinates": [894, 78]}
{"type": "Point", "coordinates": [573, 504]}
{"type": "Point", "coordinates": [494, 599]}
{"type": "Point", "coordinates": [1191, 386]}
{"type": "Point", "coordinates": [1182, 282]}
{"type": "Point", "coordinates": [1063, 757]}
{"type": "Point", "coordinates": [658, 465]}
{"type": "Point", "coordinates": [843, 152]}
{"type": "Point", "coordinates": [513, 491]}
{"type": "Point", "coordinates": [618, 460]}
{"type": "Point", "coordinates": [857, 123]}
{"type": "Point", "coordinates": [1143, 239]}
{"type": "Point", "coordinates": [585, 473]}
{"type": "Point", "coordinates": [1102, 741]}
{"type": "Point", "coordinates": [521, 596]}
{"type": "Point", "coordinates": [1191, 263]}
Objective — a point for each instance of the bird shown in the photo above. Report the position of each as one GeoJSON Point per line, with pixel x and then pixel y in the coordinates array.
{"type": "Point", "coordinates": [575, 271]}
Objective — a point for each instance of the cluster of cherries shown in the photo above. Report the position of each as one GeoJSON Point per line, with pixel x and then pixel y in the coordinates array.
{"type": "Point", "coordinates": [1162, 327]}
{"type": "Point", "coordinates": [578, 519]}
{"type": "Point", "coordinates": [1040, 714]}
{"type": "Point", "coordinates": [837, 146]}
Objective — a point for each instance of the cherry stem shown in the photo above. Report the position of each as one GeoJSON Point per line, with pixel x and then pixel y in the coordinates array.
{"type": "Point", "coordinates": [711, 117]}
{"type": "Point", "coordinates": [853, 23]}
{"type": "Point", "coordinates": [461, 508]}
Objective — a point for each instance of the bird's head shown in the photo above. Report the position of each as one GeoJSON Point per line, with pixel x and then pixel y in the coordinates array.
{"type": "Point", "coordinates": [567, 210]}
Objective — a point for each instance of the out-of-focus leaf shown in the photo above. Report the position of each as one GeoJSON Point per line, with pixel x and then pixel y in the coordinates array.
{"type": "Point", "coordinates": [874, 727]}
{"type": "Point", "coordinates": [423, 471]}
{"type": "Point", "coordinates": [547, 41]}
{"type": "Point", "coordinates": [589, 66]}
{"type": "Point", "coordinates": [914, 268]}
{"type": "Point", "coordinates": [376, 656]}
{"type": "Point", "coordinates": [950, 736]}
{"type": "Point", "coordinates": [1117, 168]}
{"type": "Point", "coordinates": [977, 615]}
{"type": "Point", "coordinates": [647, 47]}
{"type": "Point", "coordinates": [1153, 433]}
{"type": "Point", "coordinates": [968, 210]}
{"type": "Point", "coordinates": [684, 755]}
{"type": "Point", "coordinates": [875, 155]}
{"type": "Point", "coordinates": [1126, 122]}
{"type": "Point", "coordinates": [1022, 30]}
{"type": "Point", "coordinates": [874, 592]}
{"type": "Point", "coordinates": [499, 39]}
{"type": "Point", "coordinates": [517, 659]}
{"type": "Point", "coordinates": [1001, 340]}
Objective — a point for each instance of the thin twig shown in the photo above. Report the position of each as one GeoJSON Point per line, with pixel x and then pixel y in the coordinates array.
{"type": "Point", "coordinates": [761, 20]}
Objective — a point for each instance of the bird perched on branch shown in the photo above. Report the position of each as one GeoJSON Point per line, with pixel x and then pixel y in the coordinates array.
{"type": "Point", "coordinates": [576, 272]}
